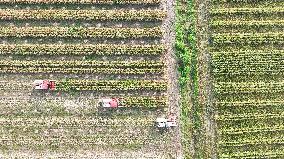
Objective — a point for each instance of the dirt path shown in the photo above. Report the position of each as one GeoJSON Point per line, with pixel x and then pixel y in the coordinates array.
{"type": "Point", "coordinates": [172, 73]}
{"type": "Point", "coordinates": [205, 79]}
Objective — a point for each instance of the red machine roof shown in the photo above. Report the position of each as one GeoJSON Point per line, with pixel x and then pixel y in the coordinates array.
{"type": "Point", "coordinates": [113, 103]}
{"type": "Point", "coordinates": [45, 84]}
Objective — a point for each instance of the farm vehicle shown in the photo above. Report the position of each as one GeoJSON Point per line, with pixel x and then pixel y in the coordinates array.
{"type": "Point", "coordinates": [44, 84]}
{"type": "Point", "coordinates": [168, 122]}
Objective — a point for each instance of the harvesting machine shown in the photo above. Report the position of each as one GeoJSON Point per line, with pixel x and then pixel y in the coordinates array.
{"type": "Point", "coordinates": [110, 102]}
{"type": "Point", "coordinates": [166, 122]}
{"type": "Point", "coordinates": [44, 84]}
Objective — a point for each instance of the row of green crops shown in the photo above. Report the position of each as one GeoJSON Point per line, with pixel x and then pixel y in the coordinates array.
{"type": "Point", "coordinates": [81, 49]}
{"type": "Point", "coordinates": [81, 32]}
{"type": "Point", "coordinates": [111, 2]}
{"type": "Point", "coordinates": [82, 67]}
{"type": "Point", "coordinates": [101, 15]}
{"type": "Point", "coordinates": [247, 61]}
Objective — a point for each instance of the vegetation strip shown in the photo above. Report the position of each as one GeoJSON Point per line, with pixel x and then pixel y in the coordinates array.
{"type": "Point", "coordinates": [250, 103]}
{"type": "Point", "coordinates": [60, 14]}
{"type": "Point", "coordinates": [80, 1]}
{"type": "Point", "coordinates": [81, 49]}
{"type": "Point", "coordinates": [187, 52]}
{"type": "Point", "coordinates": [81, 32]}
{"type": "Point", "coordinates": [244, 53]}
{"type": "Point", "coordinates": [241, 23]}
{"type": "Point", "coordinates": [148, 102]}
{"type": "Point", "coordinates": [248, 87]}
{"type": "Point", "coordinates": [80, 67]}
{"type": "Point", "coordinates": [248, 116]}
{"type": "Point", "coordinates": [251, 142]}
{"type": "Point", "coordinates": [112, 85]}
{"type": "Point", "coordinates": [252, 155]}
{"type": "Point", "coordinates": [247, 10]}
{"type": "Point", "coordinates": [125, 101]}
{"type": "Point", "coordinates": [247, 38]}
{"type": "Point", "coordinates": [251, 130]}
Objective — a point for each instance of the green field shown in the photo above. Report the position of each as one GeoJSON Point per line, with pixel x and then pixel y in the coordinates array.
{"type": "Point", "coordinates": [217, 65]}
{"type": "Point", "coordinates": [247, 66]}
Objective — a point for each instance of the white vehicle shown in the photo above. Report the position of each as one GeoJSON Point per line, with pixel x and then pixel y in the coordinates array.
{"type": "Point", "coordinates": [166, 122]}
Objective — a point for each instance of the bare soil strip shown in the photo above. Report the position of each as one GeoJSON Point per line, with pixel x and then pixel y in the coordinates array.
{"type": "Point", "coordinates": [205, 80]}
{"type": "Point", "coordinates": [172, 74]}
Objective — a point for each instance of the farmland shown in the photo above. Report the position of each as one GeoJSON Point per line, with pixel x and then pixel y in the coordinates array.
{"type": "Point", "coordinates": [246, 48]}
{"type": "Point", "coordinates": [93, 49]}
{"type": "Point", "coordinates": [217, 65]}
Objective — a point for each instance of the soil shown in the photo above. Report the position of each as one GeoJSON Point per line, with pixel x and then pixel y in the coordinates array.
{"type": "Point", "coordinates": [205, 79]}
{"type": "Point", "coordinates": [172, 75]}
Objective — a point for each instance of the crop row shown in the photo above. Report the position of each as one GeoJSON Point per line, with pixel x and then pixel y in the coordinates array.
{"type": "Point", "coordinates": [248, 38]}
{"type": "Point", "coordinates": [83, 64]}
{"type": "Point", "coordinates": [242, 1]}
{"type": "Point", "coordinates": [244, 53]}
{"type": "Point", "coordinates": [60, 14]}
{"type": "Point", "coordinates": [248, 65]}
{"type": "Point", "coordinates": [126, 101]}
{"type": "Point", "coordinates": [81, 32]}
{"type": "Point", "coordinates": [250, 130]}
{"type": "Point", "coordinates": [149, 102]}
{"type": "Point", "coordinates": [245, 120]}
{"type": "Point", "coordinates": [251, 142]}
{"type": "Point", "coordinates": [248, 135]}
{"type": "Point", "coordinates": [105, 67]}
{"type": "Point", "coordinates": [80, 1]}
{"type": "Point", "coordinates": [37, 142]}
{"type": "Point", "coordinates": [249, 23]}
{"type": "Point", "coordinates": [249, 103]}
{"type": "Point", "coordinates": [128, 71]}
{"type": "Point", "coordinates": [112, 85]}
{"type": "Point", "coordinates": [248, 116]}
{"type": "Point", "coordinates": [97, 85]}
{"type": "Point", "coordinates": [81, 49]}
{"type": "Point", "coordinates": [123, 71]}
{"type": "Point", "coordinates": [234, 60]}
{"type": "Point", "coordinates": [232, 71]}
{"type": "Point", "coordinates": [253, 155]}
{"type": "Point", "coordinates": [248, 87]}
{"type": "Point", "coordinates": [228, 11]}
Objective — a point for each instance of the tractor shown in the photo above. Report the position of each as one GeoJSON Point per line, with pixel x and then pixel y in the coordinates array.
{"type": "Point", "coordinates": [110, 102]}
{"type": "Point", "coordinates": [166, 122]}
{"type": "Point", "coordinates": [44, 84]}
